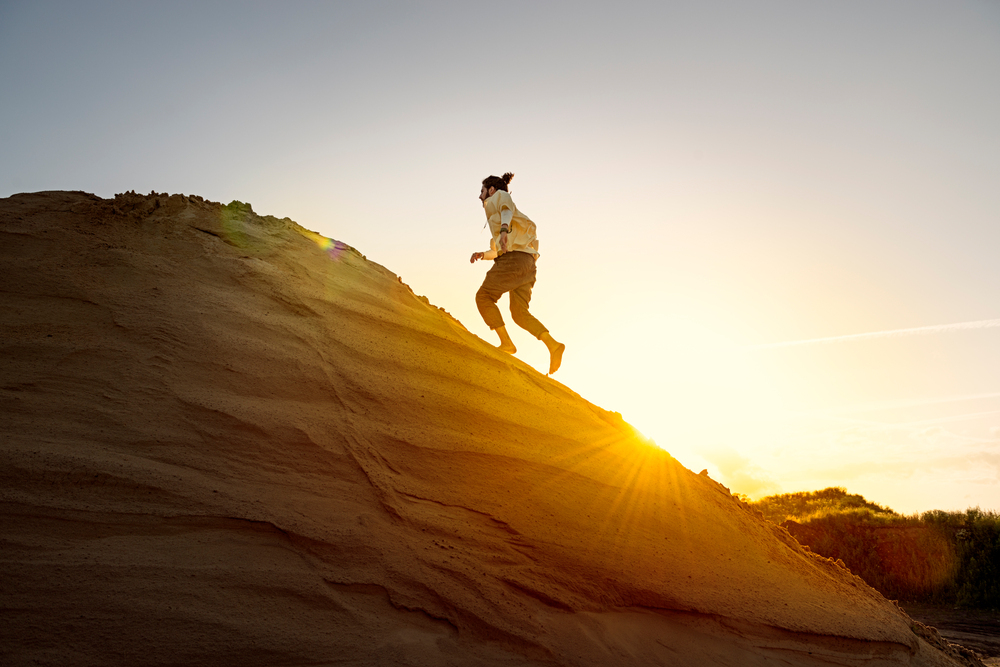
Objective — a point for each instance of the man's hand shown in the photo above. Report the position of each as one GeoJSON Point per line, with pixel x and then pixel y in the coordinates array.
{"type": "Point", "coordinates": [475, 256]}
{"type": "Point", "coordinates": [503, 242]}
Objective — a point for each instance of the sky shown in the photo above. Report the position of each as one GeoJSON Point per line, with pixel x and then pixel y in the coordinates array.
{"type": "Point", "coordinates": [728, 194]}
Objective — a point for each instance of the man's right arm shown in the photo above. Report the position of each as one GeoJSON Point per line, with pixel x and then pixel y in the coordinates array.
{"type": "Point", "coordinates": [489, 254]}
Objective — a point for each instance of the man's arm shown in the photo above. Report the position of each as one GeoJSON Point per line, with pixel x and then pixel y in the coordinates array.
{"type": "Point", "coordinates": [506, 214]}
{"type": "Point", "coordinates": [489, 254]}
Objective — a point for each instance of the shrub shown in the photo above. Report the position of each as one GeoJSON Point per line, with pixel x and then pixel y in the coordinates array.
{"type": "Point", "coordinates": [938, 557]}
{"type": "Point", "coordinates": [806, 505]}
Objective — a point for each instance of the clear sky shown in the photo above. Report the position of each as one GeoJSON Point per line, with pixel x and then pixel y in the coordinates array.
{"type": "Point", "coordinates": [709, 179]}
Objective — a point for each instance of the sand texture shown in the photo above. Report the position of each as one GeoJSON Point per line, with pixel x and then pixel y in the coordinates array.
{"type": "Point", "coordinates": [226, 440]}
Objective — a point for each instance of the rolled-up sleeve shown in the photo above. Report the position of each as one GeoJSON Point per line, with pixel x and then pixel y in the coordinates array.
{"type": "Point", "coordinates": [492, 252]}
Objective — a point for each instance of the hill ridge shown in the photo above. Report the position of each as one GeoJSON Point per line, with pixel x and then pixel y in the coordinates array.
{"type": "Point", "coordinates": [165, 355]}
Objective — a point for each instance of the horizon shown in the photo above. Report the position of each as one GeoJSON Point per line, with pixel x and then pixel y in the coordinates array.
{"type": "Point", "coordinates": [767, 234]}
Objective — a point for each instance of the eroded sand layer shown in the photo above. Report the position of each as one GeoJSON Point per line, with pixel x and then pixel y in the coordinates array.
{"type": "Point", "coordinates": [226, 440]}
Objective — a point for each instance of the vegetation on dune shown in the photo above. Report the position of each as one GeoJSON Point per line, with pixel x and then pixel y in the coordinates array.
{"type": "Point", "coordinates": [807, 505]}
{"type": "Point", "coordinates": [936, 557]}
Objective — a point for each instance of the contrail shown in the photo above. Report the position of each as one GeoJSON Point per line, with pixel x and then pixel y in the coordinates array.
{"type": "Point", "coordinates": [905, 425]}
{"type": "Point", "coordinates": [939, 328]}
{"type": "Point", "coordinates": [882, 406]}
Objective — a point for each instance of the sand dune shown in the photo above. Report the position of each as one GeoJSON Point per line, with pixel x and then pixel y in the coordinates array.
{"type": "Point", "coordinates": [226, 440]}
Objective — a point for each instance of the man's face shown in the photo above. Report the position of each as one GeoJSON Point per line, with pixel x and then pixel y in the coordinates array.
{"type": "Point", "coordinates": [485, 193]}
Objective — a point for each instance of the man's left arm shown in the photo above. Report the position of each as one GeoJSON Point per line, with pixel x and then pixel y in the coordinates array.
{"type": "Point", "coordinates": [506, 215]}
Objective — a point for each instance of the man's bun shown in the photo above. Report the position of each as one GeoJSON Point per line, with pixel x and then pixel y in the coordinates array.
{"type": "Point", "coordinates": [498, 182]}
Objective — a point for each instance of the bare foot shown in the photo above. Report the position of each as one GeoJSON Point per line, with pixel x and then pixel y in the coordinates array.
{"type": "Point", "coordinates": [555, 357]}
{"type": "Point", "coordinates": [506, 344]}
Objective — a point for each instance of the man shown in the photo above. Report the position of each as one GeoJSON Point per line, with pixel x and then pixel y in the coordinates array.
{"type": "Point", "coordinates": [514, 250]}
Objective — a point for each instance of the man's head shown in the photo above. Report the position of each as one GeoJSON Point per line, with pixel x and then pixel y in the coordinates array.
{"type": "Point", "coordinates": [493, 183]}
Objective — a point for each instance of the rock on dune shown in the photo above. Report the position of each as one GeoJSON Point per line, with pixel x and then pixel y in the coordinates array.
{"type": "Point", "coordinates": [225, 439]}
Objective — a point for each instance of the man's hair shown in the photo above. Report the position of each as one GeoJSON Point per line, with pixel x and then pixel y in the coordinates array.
{"type": "Point", "coordinates": [498, 182]}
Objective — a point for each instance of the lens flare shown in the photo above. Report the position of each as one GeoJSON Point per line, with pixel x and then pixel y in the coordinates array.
{"type": "Point", "coordinates": [333, 248]}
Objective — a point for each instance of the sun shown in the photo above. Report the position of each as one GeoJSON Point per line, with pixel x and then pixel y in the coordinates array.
{"type": "Point", "coordinates": [698, 388]}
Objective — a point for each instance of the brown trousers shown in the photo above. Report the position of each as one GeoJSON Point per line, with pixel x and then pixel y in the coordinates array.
{"type": "Point", "coordinates": [512, 272]}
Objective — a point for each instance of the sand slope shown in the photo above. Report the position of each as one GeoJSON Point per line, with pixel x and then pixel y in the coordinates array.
{"type": "Point", "coordinates": [226, 441]}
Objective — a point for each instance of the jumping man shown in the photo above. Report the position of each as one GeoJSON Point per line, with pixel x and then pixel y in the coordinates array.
{"type": "Point", "coordinates": [514, 250]}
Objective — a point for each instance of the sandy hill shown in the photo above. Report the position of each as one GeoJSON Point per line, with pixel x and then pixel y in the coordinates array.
{"type": "Point", "coordinates": [227, 440]}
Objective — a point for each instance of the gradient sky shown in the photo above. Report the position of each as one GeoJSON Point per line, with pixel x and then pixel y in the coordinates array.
{"type": "Point", "coordinates": [708, 179]}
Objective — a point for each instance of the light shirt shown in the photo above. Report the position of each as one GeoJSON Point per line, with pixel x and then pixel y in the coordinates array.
{"type": "Point", "coordinates": [521, 230]}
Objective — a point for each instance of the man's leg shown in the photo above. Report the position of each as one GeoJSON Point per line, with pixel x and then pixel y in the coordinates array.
{"type": "Point", "coordinates": [519, 300]}
{"type": "Point", "coordinates": [505, 275]}
{"type": "Point", "coordinates": [556, 350]}
{"type": "Point", "coordinates": [506, 344]}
